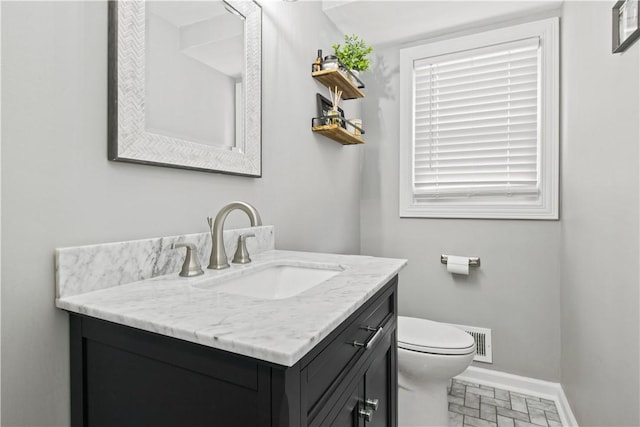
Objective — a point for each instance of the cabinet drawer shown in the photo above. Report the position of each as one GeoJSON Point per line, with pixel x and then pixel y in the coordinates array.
{"type": "Point", "coordinates": [325, 372]}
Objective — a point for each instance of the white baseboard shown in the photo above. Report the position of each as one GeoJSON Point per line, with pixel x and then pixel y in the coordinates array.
{"type": "Point", "coordinates": [545, 389]}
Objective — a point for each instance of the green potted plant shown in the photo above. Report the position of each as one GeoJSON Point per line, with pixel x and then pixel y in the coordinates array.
{"type": "Point", "coordinates": [353, 55]}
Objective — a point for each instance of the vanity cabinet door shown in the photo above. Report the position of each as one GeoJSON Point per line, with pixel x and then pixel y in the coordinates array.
{"type": "Point", "coordinates": [381, 386]}
{"type": "Point", "coordinates": [343, 358]}
{"type": "Point", "coordinates": [373, 392]}
{"type": "Point", "coordinates": [347, 413]}
{"type": "Point", "coordinates": [125, 377]}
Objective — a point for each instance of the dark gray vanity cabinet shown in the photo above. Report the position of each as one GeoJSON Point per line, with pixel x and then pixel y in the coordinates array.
{"type": "Point", "coordinates": [122, 376]}
{"type": "Point", "coordinates": [370, 400]}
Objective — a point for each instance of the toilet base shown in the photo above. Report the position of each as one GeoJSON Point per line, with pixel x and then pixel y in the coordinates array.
{"type": "Point", "coordinates": [424, 407]}
{"type": "Point", "coordinates": [424, 372]}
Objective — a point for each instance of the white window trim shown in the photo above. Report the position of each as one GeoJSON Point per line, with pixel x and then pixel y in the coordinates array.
{"type": "Point", "coordinates": [546, 206]}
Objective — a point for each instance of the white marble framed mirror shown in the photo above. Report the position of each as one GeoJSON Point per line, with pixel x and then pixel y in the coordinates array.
{"type": "Point", "coordinates": [185, 84]}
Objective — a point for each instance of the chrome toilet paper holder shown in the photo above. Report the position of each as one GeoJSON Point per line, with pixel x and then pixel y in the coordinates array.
{"type": "Point", "coordinates": [474, 261]}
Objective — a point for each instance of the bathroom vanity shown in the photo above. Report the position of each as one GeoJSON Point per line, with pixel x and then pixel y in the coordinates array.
{"type": "Point", "coordinates": [170, 351]}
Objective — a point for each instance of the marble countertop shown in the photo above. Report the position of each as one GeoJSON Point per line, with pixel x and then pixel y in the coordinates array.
{"type": "Point", "coordinates": [280, 331]}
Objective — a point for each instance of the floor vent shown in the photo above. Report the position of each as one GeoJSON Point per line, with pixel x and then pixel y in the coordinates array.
{"type": "Point", "coordinates": [482, 337]}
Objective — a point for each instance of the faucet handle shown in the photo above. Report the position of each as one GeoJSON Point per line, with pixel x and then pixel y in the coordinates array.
{"type": "Point", "coordinates": [191, 266]}
{"type": "Point", "coordinates": [242, 255]}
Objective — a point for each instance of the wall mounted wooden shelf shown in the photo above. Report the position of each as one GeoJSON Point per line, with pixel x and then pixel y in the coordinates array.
{"type": "Point", "coordinates": [339, 134]}
{"type": "Point", "coordinates": [333, 78]}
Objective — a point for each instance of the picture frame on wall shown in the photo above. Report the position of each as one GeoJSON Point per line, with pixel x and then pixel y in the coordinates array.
{"type": "Point", "coordinates": [625, 24]}
{"type": "Point", "coordinates": [324, 105]}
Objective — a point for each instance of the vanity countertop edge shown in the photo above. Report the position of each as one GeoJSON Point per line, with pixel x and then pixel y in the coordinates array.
{"type": "Point", "coordinates": [279, 331]}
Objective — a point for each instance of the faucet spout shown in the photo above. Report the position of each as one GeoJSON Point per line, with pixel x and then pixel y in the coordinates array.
{"type": "Point", "coordinates": [218, 259]}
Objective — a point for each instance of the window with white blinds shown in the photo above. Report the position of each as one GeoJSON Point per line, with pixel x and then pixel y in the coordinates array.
{"type": "Point", "coordinates": [480, 118]}
{"type": "Point", "coordinates": [476, 122]}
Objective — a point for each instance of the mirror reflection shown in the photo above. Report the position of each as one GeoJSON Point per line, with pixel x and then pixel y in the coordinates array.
{"type": "Point", "coordinates": [194, 57]}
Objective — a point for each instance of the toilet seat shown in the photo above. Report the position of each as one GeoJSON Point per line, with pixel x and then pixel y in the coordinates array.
{"type": "Point", "coordinates": [427, 336]}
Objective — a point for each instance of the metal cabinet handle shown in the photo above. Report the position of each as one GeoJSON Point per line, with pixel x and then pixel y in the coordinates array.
{"type": "Point", "coordinates": [372, 403]}
{"type": "Point", "coordinates": [367, 345]}
{"type": "Point", "coordinates": [367, 414]}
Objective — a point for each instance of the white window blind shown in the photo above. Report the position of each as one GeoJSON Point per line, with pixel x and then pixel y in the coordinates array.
{"type": "Point", "coordinates": [476, 116]}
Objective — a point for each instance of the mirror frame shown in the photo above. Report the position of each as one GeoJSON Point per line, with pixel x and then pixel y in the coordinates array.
{"type": "Point", "coordinates": [128, 141]}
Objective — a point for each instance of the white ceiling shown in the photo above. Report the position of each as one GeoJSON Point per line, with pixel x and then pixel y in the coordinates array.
{"type": "Point", "coordinates": [379, 21]}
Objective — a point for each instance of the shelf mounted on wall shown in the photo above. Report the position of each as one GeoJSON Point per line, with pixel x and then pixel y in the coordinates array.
{"type": "Point", "coordinates": [335, 77]}
{"type": "Point", "coordinates": [336, 128]}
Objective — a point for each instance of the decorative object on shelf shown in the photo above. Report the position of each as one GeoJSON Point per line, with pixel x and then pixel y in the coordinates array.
{"type": "Point", "coordinates": [336, 96]}
{"type": "Point", "coordinates": [335, 101]}
{"type": "Point", "coordinates": [334, 117]}
{"type": "Point", "coordinates": [328, 113]}
{"type": "Point", "coordinates": [353, 55]}
{"type": "Point", "coordinates": [355, 76]}
{"type": "Point", "coordinates": [330, 63]}
{"type": "Point", "coordinates": [356, 127]}
{"type": "Point", "coordinates": [625, 25]}
{"type": "Point", "coordinates": [317, 66]}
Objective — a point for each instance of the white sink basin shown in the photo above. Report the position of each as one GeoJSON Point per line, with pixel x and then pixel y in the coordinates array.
{"type": "Point", "coordinates": [277, 281]}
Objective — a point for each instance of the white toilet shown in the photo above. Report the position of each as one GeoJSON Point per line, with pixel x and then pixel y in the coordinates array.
{"type": "Point", "coordinates": [429, 354]}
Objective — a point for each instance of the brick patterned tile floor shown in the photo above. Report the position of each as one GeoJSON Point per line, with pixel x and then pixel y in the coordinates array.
{"type": "Point", "coordinates": [476, 405]}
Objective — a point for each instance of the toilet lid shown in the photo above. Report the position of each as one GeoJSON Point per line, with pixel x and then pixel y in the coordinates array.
{"type": "Point", "coordinates": [427, 336]}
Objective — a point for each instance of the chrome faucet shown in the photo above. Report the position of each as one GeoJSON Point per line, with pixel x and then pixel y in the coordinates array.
{"type": "Point", "coordinates": [218, 259]}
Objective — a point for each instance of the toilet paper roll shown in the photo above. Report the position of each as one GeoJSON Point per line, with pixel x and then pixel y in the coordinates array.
{"type": "Point", "coordinates": [458, 264]}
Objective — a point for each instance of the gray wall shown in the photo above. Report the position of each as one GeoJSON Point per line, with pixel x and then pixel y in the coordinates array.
{"type": "Point", "coordinates": [562, 296]}
{"type": "Point", "coordinates": [59, 190]}
{"type": "Point", "coordinates": [601, 115]}
{"type": "Point", "coordinates": [516, 292]}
